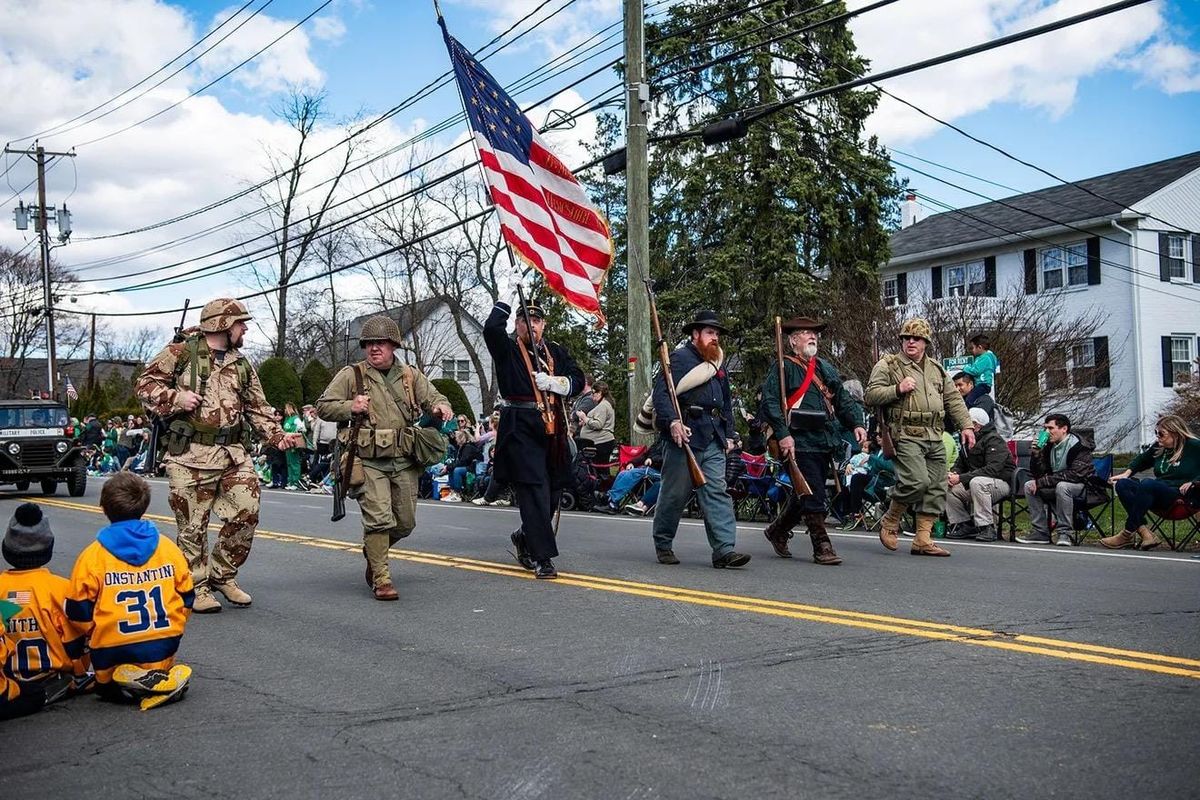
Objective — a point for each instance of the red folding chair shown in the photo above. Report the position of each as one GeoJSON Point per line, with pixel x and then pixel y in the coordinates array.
{"type": "Point", "coordinates": [1178, 511]}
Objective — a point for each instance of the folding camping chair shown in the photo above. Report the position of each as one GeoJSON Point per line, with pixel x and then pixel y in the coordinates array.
{"type": "Point", "coordinates": [1178, 512]}
{"type": "Point", "coordinates": [1094, 502]}
{"type": "Point", "coordinates": [1022, 452]}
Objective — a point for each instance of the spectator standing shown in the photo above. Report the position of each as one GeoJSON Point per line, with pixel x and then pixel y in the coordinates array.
{"type": "Point", "coordinates": [1175, 458]}
{"type": "Point", "coordinates": [292, 423]}
{"type": "Point", "coordinates": [597, 426]}
{"type": "Point", "coordinates": [1060, 467]}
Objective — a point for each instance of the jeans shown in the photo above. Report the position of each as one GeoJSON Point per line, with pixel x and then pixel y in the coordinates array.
{"type": "Point", "coordinates": [1064, 505]}
{"type": "Point", "coordinates": [457, 478]}
{"type": "Point", "coordinates": [715, 503]}
{"type": "Point", "coordinates": [1138, 497]}
{"type": "Point", "coordinates": [626, 480]}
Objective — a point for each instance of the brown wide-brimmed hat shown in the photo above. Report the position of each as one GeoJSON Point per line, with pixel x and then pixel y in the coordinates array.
{"type": "Point", "coordinates": [705, 319]}
{"type": "Point", "coordinates": [802, 323]}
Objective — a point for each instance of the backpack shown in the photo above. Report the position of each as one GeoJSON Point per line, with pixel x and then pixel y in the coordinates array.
{"type": "Point", "coordinates": [1003, 420]}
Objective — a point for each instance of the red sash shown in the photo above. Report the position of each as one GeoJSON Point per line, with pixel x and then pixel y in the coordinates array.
{"type": "Point", "coordinates": [795, 397]}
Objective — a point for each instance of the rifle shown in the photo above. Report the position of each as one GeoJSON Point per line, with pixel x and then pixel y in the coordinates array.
{"type": "Point", "coordinates": [799, 482]}
{"type": "Point", "coordinates": [159, 424]}
{"type": "Point", "coordinates": [341, 474]}
{"type": "Point", "coordinates": [664, 358]}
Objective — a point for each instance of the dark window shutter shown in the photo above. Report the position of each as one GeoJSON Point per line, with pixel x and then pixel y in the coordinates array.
{"type": "Point", "coordinates": [1164, 263]}
{"type": "Point", "coordinates": [1100, 351]}
{"type": "Point", "coordinates": [901, 287]}
{"type": "Point", "coordinates": [1196, 258]}
{"type": "Point", "coordinates": [989, 276]}
{"type": "Point", "coordinates": [1031, 271]}
{"type": "Point", "coordinates": [935, 282]}
{"type": "Point", "coordinates": [1093, 257]}
{"type": "Point", "coordinates": [1168, 378]}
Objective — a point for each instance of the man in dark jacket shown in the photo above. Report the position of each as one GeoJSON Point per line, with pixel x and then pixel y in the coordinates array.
{"type": "Point", "coordinates": [536, 378]}
{"type": "Point", "coordinates": [1060, 470]}
{"type": "Point", "coordinates": [706, 403]}
{"type": "Point", "coordinates": [980, 479]}
{"type": "Point", "coordinates": [816, 403]}
{"type": "Point", "coordinates": [965, 384]}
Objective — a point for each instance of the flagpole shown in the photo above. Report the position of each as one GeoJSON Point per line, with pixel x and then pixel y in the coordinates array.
{"type": "Point", "coordinates": [462, 102]}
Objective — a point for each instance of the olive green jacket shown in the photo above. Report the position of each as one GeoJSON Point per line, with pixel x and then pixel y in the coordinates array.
{"type": "Point", "coordinates": [921, 413]}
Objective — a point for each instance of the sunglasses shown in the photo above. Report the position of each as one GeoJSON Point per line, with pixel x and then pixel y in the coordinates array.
{"type": "Point", "coordinates": [911, 339]}
{"type": "Point", "coordinates": [1162, 433]}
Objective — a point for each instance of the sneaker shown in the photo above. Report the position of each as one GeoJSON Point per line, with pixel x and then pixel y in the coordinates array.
{"type": "Point", "coordinates": [452, 497]}
{"type": "Point", "coordinates": [1033, 538]}
{"type": "Point", "coordinates": [156, 700]}
{"type": "Point", "coordinates": [1064, 540]}
{"type": "Point", "coordinates": [233, 593]}
{"type": "Point", "coordinates": [204, 602]}
{"type": "Point", "coordinates": [637, 509]}
{"type": "Point", "coordinates": [139, 681]}
{"type": "Point", "coordinates": [501, 502]}
{"type": "Point", "coordinates": [961, 530]}
{"type": "Point", "coordinates": [730, 560]}
{"type": "Point", "coordinates": [479, 501]}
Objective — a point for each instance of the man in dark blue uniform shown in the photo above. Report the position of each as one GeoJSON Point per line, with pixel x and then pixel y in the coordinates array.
{"type": "Point", "coordinates": [697, 368]}
{"type": "Point", "coordinates": [531, 450]}
{"type": "Point", "coordinates": [817, 401]}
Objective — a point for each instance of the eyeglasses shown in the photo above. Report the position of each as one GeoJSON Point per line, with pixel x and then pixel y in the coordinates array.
{"type": "Point", "coordinates": [911, 338]}
{"type": "Point", "coordinates": [1161, 433]}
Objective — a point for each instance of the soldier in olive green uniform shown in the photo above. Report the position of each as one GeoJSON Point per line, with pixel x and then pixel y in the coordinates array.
{"type": "Point", "coordinates": [914, 395]}
{"type": "Point", "coordinates": [393, 398]}
{"type": "Point", "coordinates": [209, 396]}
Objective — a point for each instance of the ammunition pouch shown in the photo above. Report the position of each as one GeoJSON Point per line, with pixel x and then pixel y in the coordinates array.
{"type": "Point", "coordinates": [807, 420]}
{"type": "Point", "coordinates": [181, 433]}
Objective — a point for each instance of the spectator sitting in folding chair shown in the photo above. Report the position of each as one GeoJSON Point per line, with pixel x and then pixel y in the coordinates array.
{"type": "Point", "coordinates": [1175, 458]}
{"type": "Point", "coordinates": [1060, 469]}
{"type": "Point", "coordinates": [979, 480]}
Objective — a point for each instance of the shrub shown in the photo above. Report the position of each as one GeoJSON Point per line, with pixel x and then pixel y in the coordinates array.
{"type": "Point", "coordinates": [455, 394]}
{"type": "Point", "coordinates": [314, 378]}
{"type": "Point", "coordinates": [280, 382]}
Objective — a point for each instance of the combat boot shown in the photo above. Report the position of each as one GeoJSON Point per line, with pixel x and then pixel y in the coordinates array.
{"type": "Point", "coordinates": [204, 602]}
{"type": "Point", "coordinates": [823, 552]}
{"type": "Point", "coordinates": [889, 526]}
{"type": "Point", "coordinates": [233, 593]}
{"type": "Point", "coordinates": [923, 542]}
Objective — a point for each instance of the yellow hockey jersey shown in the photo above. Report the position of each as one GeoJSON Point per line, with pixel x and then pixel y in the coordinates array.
{"type": "Point", "coordinates": [42, 640]}
{"type": "Point", "coordinates": [132, 590]}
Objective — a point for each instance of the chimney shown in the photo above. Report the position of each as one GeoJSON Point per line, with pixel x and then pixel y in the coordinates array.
{"type": "Point", "coordinates": [908, 210]}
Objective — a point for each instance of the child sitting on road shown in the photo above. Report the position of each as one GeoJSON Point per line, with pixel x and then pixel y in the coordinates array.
{"type": "Point", "coordinates": [46, 647]}
{"type": "Point", "coordinates": [15, 700]}
{"type": "Point", "coordinates": [131, 589]}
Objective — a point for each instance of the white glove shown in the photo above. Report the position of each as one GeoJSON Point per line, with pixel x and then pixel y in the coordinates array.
{"type": "Point", "coordinates": [559, 384]}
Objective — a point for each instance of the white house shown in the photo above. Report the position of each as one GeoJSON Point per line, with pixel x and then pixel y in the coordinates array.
{"type": "Point", "coordinates": [432, 340]}
{"type": "Point", "coordinates": [1125, 243]}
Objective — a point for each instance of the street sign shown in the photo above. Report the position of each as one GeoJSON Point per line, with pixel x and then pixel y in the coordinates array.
{"type": "Point", "coordinates": [956, 363]}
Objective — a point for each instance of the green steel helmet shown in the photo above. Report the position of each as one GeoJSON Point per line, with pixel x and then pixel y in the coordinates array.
{"type": "Point", "coordinates": [917, 327]}
{"type": "Point", "coordinates": [220, 314]}
{"type": "Point", "coordinates": [380, 328]}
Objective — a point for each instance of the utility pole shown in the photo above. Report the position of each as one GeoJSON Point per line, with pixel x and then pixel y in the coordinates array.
{"type": "Point", "coordinates": [91, 378]}
{"type": "Point", "coordinates": [39, 154]}
{"type": "Point", "coordinates": [637, 205]}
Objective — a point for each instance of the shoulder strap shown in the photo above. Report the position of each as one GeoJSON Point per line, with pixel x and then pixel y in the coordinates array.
{"type": "Point", "coordinates": [358, 378]}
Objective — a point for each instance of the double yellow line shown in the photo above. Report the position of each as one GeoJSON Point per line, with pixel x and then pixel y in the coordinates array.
{"type": "Point", "coordinates": [978, 637]}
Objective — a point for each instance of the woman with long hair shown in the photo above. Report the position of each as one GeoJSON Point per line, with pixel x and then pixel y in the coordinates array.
{"type": "Point", "coordinates": [292, 424]}
{"type": "Point", "coordinates": [1175, 457]}
{"type": "Point", "coordinates": [596, 427]}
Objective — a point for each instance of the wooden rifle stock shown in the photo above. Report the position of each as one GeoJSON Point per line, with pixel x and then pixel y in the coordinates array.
{"type": "Point", "coordinates": [343, 472]}
{"type": "Point", "coordinates": [664, 358]}
{"type": "Point", "coordinates": [799, 482]}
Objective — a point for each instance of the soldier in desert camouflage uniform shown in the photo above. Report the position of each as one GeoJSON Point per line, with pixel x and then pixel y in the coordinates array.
{"type": "Point", "coordinates": [210, 397]}
{"type": "Point", "coordinates": [393, 397]}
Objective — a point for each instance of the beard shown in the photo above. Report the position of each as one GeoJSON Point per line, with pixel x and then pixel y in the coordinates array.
{"type": "Point", "coordinates": [809, 350]}
{"type": "Point", "coordinates": [710, 352]}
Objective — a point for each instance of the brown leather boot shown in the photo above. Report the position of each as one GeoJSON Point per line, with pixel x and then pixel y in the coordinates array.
{"type": "Point", "coordinates": [923, 542]}
{"type": "Point", "coordinates": [823, 552]}
{"type": "Point", "coordinates": [780, 529]}
{"type": "Point", "coordinates": [1119, 541]}
{"type": "Point", "coordinates": [889, 526]}
{"type": "Point", "coordinates": [1149, 539]}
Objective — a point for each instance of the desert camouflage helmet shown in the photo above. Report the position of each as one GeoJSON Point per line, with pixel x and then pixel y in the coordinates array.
{"type": "Point", "coordinates": [380, 328]}
{"type": "Point", "coordinates": [917, 327]}
{"type": "Point", "coordinates": [220, 314]}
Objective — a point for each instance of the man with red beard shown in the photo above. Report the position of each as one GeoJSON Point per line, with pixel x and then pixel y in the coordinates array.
{"type": "Point", "coordinates": [702, 386]}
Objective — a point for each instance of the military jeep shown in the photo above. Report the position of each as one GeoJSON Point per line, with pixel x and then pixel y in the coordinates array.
{"type": "Point", "coordinates": [37, 443]}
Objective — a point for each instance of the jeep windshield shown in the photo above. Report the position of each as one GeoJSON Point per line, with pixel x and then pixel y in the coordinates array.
{"type": "Point", "coordinates": [32, 418]}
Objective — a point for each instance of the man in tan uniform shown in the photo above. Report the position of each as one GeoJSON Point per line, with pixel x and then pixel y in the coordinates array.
{"type": "Point", "coordinates": [210, 397]}
{"type": "Point", "coordinates": [913, 395]}
{"type": "Point", "coordinates": [393, 397]}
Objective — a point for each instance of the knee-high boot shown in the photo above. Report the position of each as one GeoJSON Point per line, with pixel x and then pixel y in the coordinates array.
{"type": "Point", "coordinates": [823, 552]}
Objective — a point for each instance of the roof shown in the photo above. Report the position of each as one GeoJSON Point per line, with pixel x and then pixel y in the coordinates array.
{"type": "Point", "coordinates": [409, 316]}
{"type": "Point", "coordinates": [1065, 203]}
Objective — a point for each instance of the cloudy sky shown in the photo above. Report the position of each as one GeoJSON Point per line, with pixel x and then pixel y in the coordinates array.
{"type": "Point", "coordinates": [1110, 94]}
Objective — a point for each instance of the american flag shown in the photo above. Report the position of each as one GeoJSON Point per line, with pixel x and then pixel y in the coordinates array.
{"type": "Point", "coordinates": [20, 598]}
{"type": "Point", "coordinates": [545, 215]}
{"type": "Point", "coordinates": [71, 393]}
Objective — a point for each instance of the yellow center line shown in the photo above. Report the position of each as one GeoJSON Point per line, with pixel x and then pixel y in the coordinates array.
{"type": "Point", "coordinates": [980, 637]}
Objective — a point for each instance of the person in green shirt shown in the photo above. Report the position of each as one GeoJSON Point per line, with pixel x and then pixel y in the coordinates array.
{"type": "Point", "coordinates": [1175, 457]}
{"type": "Point", "coordinates": [292, 424]}
{"type": "Point", "coordinates": [982, 369]}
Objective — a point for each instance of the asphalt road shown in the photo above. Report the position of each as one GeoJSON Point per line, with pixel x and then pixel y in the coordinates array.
{"type": "Point", "coordinates": [1004, 671]}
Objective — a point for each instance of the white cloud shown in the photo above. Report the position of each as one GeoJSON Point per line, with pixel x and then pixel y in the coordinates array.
{"type": "Point", "coordinates": [556, 35]}
{"type": "Point", "coordinates": [1042, 73]}
{"type": "Point", "coordinates": [285, 63]}
{"type": "Point", "coordinates": [328, 28]}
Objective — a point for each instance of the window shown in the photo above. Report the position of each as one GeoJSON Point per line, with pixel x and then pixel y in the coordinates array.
{"type": "Point", "coordinates": [1181, 359]}
{"type": "Point", "coordinates": [1176, 257]}
{"type": "Point", "coordinates": [1064, 266]}
{"type": "Point", "coordinates": [964, 279]}
{"type": "Point", "coordinates": [1083, 364]}
{"type": "Point", "coordinates": [457, 369]}
{"type": "Point", "coordinates": [1077, 365]}
{"type": "Point", "coordinates": [1056, 370]}
{"type": "Point", "coordinates": [891, 292]}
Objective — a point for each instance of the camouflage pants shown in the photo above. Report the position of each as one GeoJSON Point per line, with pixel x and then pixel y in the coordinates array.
{"type": "Point", "coordinates": [388, 501]}
{"type": "Point", "coordinates": [233, 495]}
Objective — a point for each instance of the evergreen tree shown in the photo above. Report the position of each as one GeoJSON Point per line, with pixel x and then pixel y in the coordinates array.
{"type": "Point", "coordinates": [455, 395]}
{"type": "Point", "coordinates": [790, 218]}
{"type": "Point", "coordinates": [280, 383]}
{"type": "Point", "coordinates": [314, 378]}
